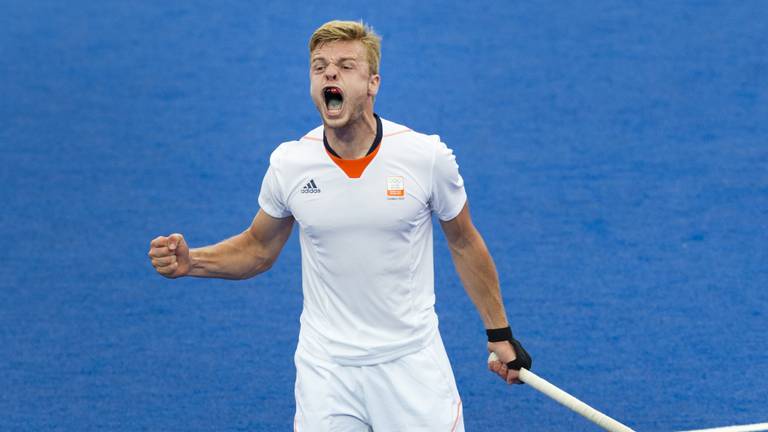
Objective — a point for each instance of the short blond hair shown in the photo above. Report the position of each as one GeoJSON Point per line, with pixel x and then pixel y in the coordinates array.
{"type": "Point", "coordinates": [334, 31]}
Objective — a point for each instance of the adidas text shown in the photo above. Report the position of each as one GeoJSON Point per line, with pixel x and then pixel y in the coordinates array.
{"type": "Point", "coordinates": [310, 187]}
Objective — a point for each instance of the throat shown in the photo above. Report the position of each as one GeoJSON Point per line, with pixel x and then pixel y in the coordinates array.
{"type": "Point", "coordinates": [354, 141]}
{"type": "Point", "coordinates": [350, 149]}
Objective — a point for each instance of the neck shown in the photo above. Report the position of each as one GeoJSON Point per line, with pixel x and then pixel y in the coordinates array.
{"type": "Point", "coordinates": [353, 140]}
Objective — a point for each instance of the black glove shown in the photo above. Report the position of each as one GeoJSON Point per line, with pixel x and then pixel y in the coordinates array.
{"type": "Point", "coordinates": [523, 359]}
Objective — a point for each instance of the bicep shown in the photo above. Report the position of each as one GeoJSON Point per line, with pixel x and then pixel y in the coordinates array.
{"type": "Point", "coordinates": [269, 233]}
{"type": "Point", "coordinates": [460, 230]}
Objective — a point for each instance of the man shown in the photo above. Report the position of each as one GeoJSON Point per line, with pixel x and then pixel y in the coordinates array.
{"type": "Point", "coordinates": [363, 190]}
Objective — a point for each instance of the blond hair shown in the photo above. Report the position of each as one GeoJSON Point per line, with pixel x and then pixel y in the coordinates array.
{"type": "Point", "coordinates": [334, 31]}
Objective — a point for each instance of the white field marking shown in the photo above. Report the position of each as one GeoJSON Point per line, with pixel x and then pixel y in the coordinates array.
{"type": "Point", "coordinates": [568, 401]}
{"type": "Point", "coordinates": [743, 428]}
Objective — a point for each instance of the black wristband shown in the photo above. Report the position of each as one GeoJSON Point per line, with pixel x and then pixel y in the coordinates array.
{"type": "Point", "coordinates": [499, 334]}
{"type": "Point", "coordinates": [523, 359]}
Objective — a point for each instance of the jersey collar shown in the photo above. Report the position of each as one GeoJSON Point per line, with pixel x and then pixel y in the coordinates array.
{"type": "Point", "coordinates": [354, 167]}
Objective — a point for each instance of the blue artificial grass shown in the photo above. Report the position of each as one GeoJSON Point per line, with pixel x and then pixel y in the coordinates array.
{"type": "Point", "coordinates": [615, 158]}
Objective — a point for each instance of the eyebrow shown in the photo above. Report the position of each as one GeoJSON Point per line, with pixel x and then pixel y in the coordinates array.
{"type": "Point", "coordinates": [342, 59]}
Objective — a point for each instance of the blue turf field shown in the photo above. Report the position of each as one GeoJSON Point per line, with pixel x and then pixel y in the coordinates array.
{"type": "Point", "coordinates": [615, 153]}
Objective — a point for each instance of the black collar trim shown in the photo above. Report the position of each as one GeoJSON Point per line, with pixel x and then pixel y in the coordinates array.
{"type": "Point", "coordinates": [376, 141]}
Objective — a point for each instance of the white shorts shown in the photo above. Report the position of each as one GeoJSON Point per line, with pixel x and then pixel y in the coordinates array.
{"type": "Point", "coordinates": [416, 392]}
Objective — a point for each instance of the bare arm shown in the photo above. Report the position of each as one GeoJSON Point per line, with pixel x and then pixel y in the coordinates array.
{"type": "Point", "coordinates": [481, 282]}
{"type": "Point", "coordinates": [475, 268]}
{"type": "Point", "coordinates": [240, 257]}
{"type": "Point", "coordinates": [245, 255]}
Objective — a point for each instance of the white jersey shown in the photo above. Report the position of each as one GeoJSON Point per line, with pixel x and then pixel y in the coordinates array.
{"type": "Point", "coordinates": [366, 239]}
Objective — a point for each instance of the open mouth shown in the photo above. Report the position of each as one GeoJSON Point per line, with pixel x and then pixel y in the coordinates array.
{"type": "Point", "coordinates": [334, 99]}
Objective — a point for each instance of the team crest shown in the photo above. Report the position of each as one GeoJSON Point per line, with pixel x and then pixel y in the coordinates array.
{"type": "Point", "coordinates": [395, 188]}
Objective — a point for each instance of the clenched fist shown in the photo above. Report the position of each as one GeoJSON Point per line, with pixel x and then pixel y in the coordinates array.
{"type": "Point", "coordinates": [170, 256]}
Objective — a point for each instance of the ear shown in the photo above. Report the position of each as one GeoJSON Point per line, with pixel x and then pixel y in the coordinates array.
{"type": "Point", "coordinates": [373, 85]}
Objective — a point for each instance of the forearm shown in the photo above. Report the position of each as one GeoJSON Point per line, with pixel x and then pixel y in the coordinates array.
{"type": "Point", "coordinates": [234, 258]}
{"type": "Point", "coordinates": [478, 275]}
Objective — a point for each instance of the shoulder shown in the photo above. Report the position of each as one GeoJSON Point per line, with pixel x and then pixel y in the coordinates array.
{"type": "Point", "coordinates": [297, 150]}
{"type": "Point", "coordinates": [427, 151]}
{"type": "Point", "coordinates": [420, 148]}
{"type": "Point", "coordinates": [416, 142]}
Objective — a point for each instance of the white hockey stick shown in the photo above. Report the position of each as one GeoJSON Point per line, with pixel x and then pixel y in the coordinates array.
{"type": "Point", "coordinates": [568, 401]}
{"type": "Point", "coordinates": [743, 428]}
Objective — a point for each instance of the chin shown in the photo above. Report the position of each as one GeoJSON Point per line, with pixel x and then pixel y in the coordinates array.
{"type": "Point", "coordinates": [335, 122]}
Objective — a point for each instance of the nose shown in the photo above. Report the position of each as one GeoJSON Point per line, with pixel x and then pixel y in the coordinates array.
{"type": "Point", "coordinates": [331, 72]}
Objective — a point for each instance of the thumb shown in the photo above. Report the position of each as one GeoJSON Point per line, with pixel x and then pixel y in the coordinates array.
{"type": "Point", "coordinates": [174, 240]}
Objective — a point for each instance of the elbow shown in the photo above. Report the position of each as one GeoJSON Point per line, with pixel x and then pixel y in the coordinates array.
{"type": "Point", "coordinates": [260, 265]}
{"type": "Point", "coordinates": [465, 245]}
{"type": "Point", "coordinates": [266, 264]}
{"type": "Point", "coordinates": [460, 243]}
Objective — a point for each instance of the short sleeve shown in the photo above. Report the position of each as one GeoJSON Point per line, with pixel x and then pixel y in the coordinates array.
{"type": "Point", "coordinates": [271, 196]}
{"type": "Point", "coordinates": [448, 194]}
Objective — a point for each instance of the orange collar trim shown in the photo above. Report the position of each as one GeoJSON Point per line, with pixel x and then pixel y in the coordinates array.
{"type": "Point", "coordinates": [354, 168]}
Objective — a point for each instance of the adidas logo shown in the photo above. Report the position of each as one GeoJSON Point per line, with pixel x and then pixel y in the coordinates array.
{"type": "Point", "coordinates": [310, 187]}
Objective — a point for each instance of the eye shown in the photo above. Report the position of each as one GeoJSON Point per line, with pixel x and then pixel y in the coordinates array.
{"type": "Point", "coordinates": [348, 66]}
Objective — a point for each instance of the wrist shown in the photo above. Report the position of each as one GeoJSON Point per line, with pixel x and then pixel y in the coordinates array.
{"type": "Point", "coordinates": [521, 357]}
{"type": "Point", "coordinates": [499, 334]}
{"type": "Point", "coordinates": [195, 264]}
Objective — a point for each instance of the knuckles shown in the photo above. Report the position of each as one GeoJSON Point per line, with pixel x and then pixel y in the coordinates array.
{"type": "Point", "coordinates": [162, 258]}
{"type": "Point", "coordinates": [160, 252]}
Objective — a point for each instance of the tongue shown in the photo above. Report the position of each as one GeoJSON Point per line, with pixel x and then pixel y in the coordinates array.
{"type": "Point", "coordinates": [334, 104]}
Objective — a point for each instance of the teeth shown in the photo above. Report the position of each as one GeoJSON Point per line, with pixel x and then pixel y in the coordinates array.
{"type": "Point", "coordinates": [334, 104]}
